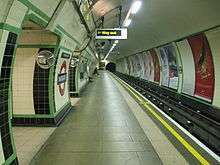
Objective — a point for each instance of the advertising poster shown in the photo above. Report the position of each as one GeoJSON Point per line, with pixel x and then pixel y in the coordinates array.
{"type": "Point", "coordinates": [173, 66]}
{"type": "Point", "coordinates": [188, 67]}
{"type": "Point", "coordinates": [131, 65]}
{"type": "Point", "coordinates": [145, 66]}
{"type": "Point", "coordinates": [125, 66]}
{"type": "Point", "coordinates": [204, 67]}
{"type": "Point", "coordinates": [142, 65]}
{"type": "Point", "coordinates": [128, 66]}
{"type": "Point", "coordinates": [150, 67]}
{"type": "Point", "coordinates": [137, 66]}
{"type": "Point", "coordinates": [164, 67]}
{"type": "Point", "coordinates": [156, 65]}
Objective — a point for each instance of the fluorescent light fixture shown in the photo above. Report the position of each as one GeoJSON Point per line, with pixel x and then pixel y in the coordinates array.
{"type": "Point", "coordinates": [127, 22]}
{"type": "Point", "coordinates": [116, 41]}
{"type": "Point", "coordinates": [135, 7]}
{"type": "Point", "coordinates": [97, 55]}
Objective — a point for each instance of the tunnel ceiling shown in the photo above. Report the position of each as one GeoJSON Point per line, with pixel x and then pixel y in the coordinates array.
{"type": "Point", "coordinates": [110, 10]}
{"type": "Point", "coordinates": [159, 21]}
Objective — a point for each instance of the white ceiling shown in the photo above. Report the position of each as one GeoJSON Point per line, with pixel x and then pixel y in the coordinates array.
{"type": "Point", "coordinates": [162, 21]}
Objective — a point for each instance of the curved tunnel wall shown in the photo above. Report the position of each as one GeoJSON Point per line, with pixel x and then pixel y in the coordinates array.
{"type": "Point", "coordinates": [182, 79]}
{"type": "Point", "coordinates": [71, 34]}
{"type": "Point", "coordinates": [189, 66]}
{"type": "Point", "coordinates": [30, 82]}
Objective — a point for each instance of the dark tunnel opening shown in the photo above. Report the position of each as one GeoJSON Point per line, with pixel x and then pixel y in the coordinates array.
{"type": "Point", "coordinates": [111, 67]}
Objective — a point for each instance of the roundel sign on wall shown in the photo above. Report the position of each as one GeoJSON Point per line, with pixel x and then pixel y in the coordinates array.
{"type": "Point", "coordinates": [62, 77]}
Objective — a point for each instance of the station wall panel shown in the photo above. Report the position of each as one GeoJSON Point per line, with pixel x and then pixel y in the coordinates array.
{"type": "Point", "coordinates": [188, 67]}
{"type": "Point", "coordinates": [12, 15]}
{"type": "Point", "coordinates": [213, 37]}
{"type": "Point", "coordinates": [128, 66]}
{"type": "Point", "coordinates": [16, 14]}
{"type": "Point", "coordinates": [61, 85]}
{"type": "Point", "coordinates": [156, 64]}
{"type": "Point", "coordinates": [164, 67]}
{"type": "Point", "coordinates": [5, 5]}
{"type": "Point", "coordinates": [137, 66]}
{"type": "Point", "coordinates": [204, 68]}
{"type": "Point", "coordinates": [41, 87]}
{"type": "Point", "coordinates": [23, 78]}
{"type": "Point", "coordinates": [149, 74]}
{"type": "Point", "coordinates": [145, 74]}
{"type": "Point", "coordinates": [170, 75]}
{"type": "Point", "coordinates": [131, 65]}
{"type": "Point", "coordinates": [7, 152]}
{"type": "Point", "coordinates": [48, 6]}
{"type": "Point", "coordinates": [74, 27]}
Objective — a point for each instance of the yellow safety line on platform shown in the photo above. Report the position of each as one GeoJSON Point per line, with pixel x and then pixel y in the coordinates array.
{"type": "Point", "coordinates": [193, 151]}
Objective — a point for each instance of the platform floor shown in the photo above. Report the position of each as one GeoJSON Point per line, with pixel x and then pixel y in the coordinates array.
{"type": "Point", "coordinates": [29, 140]}
{"type": "Point", "coordinates": [101, 130]}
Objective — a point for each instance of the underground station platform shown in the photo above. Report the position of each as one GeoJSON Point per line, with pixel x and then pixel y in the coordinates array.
{"type": "Point", "coordinates": [109, 82]}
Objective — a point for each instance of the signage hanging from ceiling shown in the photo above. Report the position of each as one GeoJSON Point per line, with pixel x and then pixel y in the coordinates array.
{"type": "Point", "coordinates": [114, 34]}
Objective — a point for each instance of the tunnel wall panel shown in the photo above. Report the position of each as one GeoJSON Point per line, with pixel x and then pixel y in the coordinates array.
{"type": "Point", "coordinates": [34, 84]}
{"type": "Point", "coordinates": [37, 38]}
{"type": "Point", "coordinates": [16, 18]}
{"type": "Point", "coordinates": [12, 15]}
{"type": "Point", "coordinates": [213, 37]}
{"type": "Point", "coordinates": [61, 84]}
{"type": "Point", "coordinates": [75, 28]}
{"type": "Point", "coordinates": [128, 66]}
{"type": "Point", "coordinates": [47, 6]}
{"type": "Point", "coordinates": [204, 67]}
{"type": "Point", "coordinates": [131, 66]}
{"type": "Point", "coordinates": [5, 6]}
{"type": "Point", "coordinates": [193, 62]}
{"type": "Point", "coordinates": [137, 66]}
{"type": "Point", "coordinates": [169, 57]}
{"type": "Point", "coordinates": [7, 152]}
{"type": "Point", "coordinates": [41, 89]}
{"type": "Point", "coordinates": [164, 68]}
{"type": "Point", "coordinates": [188, 67]}
{"type": "Point", "coordinates": [23, 78]}
{"type": "Point", "coordinates": [148, 66]}
{"type": "Point", "coordinates": [156, 64]}
{"type": "Point", "coordinates": [141, 58]}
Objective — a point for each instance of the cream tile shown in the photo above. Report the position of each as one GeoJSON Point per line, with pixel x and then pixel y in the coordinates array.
{"type": "Point", "coordinates": [29, 140]}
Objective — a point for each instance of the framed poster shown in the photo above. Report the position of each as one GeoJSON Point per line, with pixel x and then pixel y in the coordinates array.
{"type": "Point", "coordinates": [131, 60]}
{"type": "Point", "coordinates": [204, 68]}
{"type": "Point", "coordinates": [137, 66]}
{"type": "Point", "coordinates": [164, 67]}
{"type": "Point", "coordinates": [170, 66]}
{"type": "Point", "coordinates": [188, 67]}
{"type": "Point", "coordinates": [146, 66]}
{"type": "Point", "coordinates": [156, 64]}
{"type": "Point", "coordinates": [173, 66]}
{"type": "Point", "coordinates": [141, 57]}
{"type": "Point", "coordinates": [128, 66]}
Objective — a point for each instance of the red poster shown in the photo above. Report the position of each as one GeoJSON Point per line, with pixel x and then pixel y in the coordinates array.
{"type": "Point", "coordinates": [204, 68]}
{"type": "Point", "coordinates": [156, 65]}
